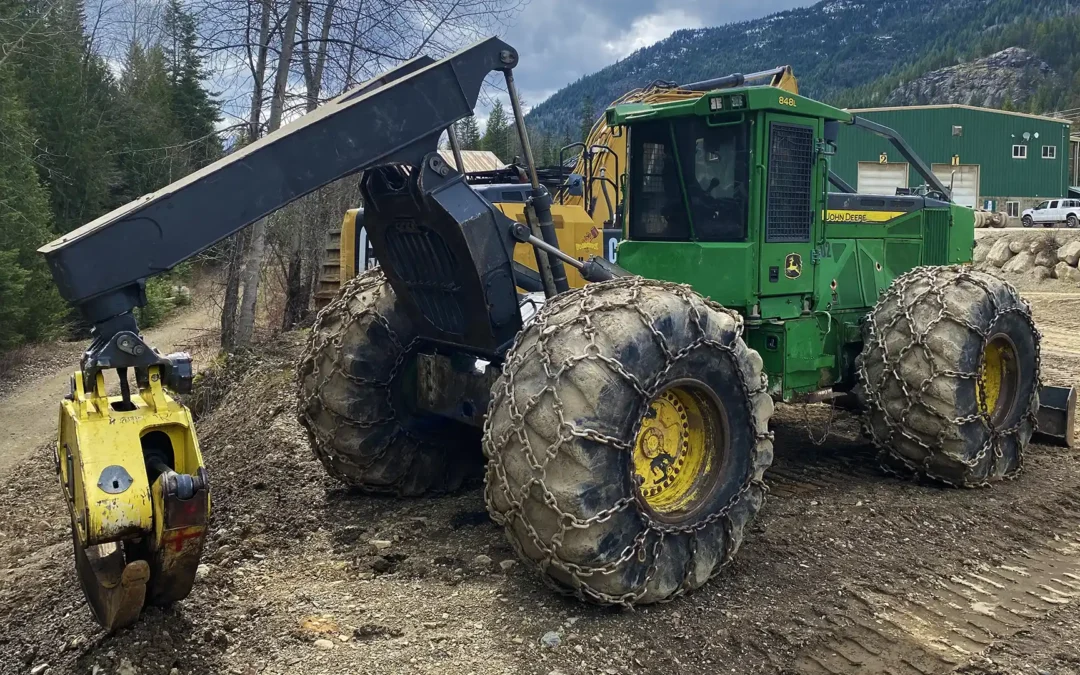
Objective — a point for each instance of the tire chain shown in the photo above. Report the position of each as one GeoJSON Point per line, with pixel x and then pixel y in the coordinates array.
{"type": "Point", "coordinates": [589, 300]}
{"type": "Point", "coordinates": [373, 282]}
{"type": "Point", "coordinates": [937, 281]}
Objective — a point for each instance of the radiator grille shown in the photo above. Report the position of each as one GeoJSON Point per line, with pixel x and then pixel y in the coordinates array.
{"type": "Point", "coordinates": [936, 238]}
{"type": "Point", "coordinates": [791, 162]}
{"type": "Point", "coordinates": [426, 266]}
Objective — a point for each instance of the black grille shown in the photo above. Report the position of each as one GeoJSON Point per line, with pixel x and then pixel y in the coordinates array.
{"type": "Point", "coordinates": [427, 267]}
{"type": "Point", "coordinates": [791, 162]}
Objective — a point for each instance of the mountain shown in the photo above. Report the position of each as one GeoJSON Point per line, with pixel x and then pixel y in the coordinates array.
{"type": "Point", "coordinates": [1013, 74]}
{"type": "Point", "coordinates": [835, 47]}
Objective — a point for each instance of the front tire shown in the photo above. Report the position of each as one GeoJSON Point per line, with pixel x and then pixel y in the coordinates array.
{"type": "Point", "coordinates": [354, 400]}
{"type": "Point", "coordinates": [950, 375]}
{"type": "Point", "coordinates": [626, 439]}
{"type": "Point", "coordinates": [1027, 221]}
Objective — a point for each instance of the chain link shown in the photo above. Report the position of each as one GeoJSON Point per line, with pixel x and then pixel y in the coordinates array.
{"type": "Point", "coordinates": [357, 305]}
{"type": "Point", "coordinates": [578, 311]}
{"type": "Point", "coordinates": [927, 287]}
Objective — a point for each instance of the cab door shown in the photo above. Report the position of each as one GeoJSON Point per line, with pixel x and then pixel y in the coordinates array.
{"type": "Point", "coordinates": [789, 180]}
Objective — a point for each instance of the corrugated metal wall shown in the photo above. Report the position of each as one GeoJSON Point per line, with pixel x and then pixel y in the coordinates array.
{"type": "Point", "coordinates": [986, 139]}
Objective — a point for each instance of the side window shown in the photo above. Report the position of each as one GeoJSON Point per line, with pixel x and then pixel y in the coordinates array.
{"type": "Point", "coordinates": [1053, 205]}
{"type": "Point", "coordinates": [657, 210]}
{"type": "Point", "coordinates": [1012, 209]}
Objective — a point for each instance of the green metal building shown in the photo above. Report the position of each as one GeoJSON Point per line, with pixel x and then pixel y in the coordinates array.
{"type": "Point", "coordinates": [1003, 161]}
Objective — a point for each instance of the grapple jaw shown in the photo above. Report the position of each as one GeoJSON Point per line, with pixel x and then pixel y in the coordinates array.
{"type": "Point", "coordinates": [138, 495]}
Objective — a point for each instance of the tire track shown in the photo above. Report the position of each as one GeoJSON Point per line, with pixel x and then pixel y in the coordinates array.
{"type": "Point", "coordinates": [951, 619]}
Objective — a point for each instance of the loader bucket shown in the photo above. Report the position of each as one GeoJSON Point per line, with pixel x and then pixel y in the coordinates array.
{"type": "Point", "coordinates": [1057, 413]}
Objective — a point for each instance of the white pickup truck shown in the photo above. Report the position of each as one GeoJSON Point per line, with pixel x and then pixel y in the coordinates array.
{"type": "Point", "coordinates": [1053, 211]}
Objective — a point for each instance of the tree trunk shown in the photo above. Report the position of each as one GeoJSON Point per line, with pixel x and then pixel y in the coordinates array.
{"type": "Point", "coordinates": [297, 288]}
{"type": "Point", "coordinates": [235, 249]}
{"type": "Point", "coordinates": [245, 325]}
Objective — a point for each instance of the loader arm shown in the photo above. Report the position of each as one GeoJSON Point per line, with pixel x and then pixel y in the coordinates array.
{"type": "Point", "coordinates": [396, 118]}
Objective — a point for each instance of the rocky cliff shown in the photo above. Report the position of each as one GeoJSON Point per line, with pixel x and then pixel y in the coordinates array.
{"type": "Point", "coordinates": [1012, 75]}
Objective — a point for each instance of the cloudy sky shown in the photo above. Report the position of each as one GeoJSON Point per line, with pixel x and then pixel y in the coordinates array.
{"type": "Point", "coordinates": [561, 40]}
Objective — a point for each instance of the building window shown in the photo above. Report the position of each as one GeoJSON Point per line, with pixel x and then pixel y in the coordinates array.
{"type": "Point", "coordinates": [1012, 209]}
{"type": "Point", "coordinates": [1019, 152]}
{"type": "Point", "coordinates": [1049, 152]}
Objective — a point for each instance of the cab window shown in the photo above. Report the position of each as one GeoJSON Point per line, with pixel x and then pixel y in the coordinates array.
{"type": "Point", "coordinates": [1042, 206]}
{"type": "Point", "coordinates": [689, 181]}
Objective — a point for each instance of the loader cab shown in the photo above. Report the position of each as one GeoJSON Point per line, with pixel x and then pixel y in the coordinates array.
{"type": "Point", "coordinates": [726, 193]}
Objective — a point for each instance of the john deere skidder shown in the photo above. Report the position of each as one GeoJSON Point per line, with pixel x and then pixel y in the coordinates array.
{"type": "Point", "coordinates": [625, 424]}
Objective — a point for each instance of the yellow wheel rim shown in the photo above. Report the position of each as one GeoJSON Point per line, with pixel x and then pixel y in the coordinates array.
{"type": "Point", "coordinates": [679, 451]}
{"type": "Point", "coordinates": [998, 383]}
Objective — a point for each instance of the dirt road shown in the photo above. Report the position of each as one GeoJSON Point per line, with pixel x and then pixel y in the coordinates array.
{"type": "Point", "coordinates": [846, 570]}
{"type": "Point", "coordinates": [28, 414]}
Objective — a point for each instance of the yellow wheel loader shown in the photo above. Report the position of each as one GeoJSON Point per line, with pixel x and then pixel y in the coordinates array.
{"type": "Point", "coordinates": [585, 199]}
{"type": "Point", "coordinates": [625, 423]}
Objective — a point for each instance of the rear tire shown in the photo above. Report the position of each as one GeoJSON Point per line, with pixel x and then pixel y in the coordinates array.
{"type": "Point", "coordinates": [1071, 221]}
{"type": "Point", "coordinates": [354, 400]}
{"type": "Point", "coordinates": [950, 374]}
{"type": "Point", "coordinates": [627, 439]}
{"type": "Point", "coordinates": [1027, 221]}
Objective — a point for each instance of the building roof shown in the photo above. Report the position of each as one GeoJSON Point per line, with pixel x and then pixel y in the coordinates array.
{"type": "Point", "coordinates": [957, 106]}
{"type": "Point", "coordinates": [474, 160]}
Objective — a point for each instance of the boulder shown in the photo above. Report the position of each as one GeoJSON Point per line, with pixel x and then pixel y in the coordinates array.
{"type": "Point", "coordinates": [1046, 258]}
{"type": "Point", "coordinates": [1017, 245]}
{"type": "Point", "coordinates": [1069, 253]}
{"type": "Point", "coordinates": [1019, 263]}
{"type": "Point", "coordinates": [980, 253]}
{"type": "Point", "coordinates": [1040, 273]}
{"type": "Point", "coordinates": [1066, 272]}
{"type": "Point", "coordinates": [999, 253]}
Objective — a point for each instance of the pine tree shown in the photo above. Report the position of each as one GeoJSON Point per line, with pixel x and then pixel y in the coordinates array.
{"type": "Point", "coordinates": [71, 100]}
{"type": "Point", "coordinates": [30, 307]}
{"type": "Point", "coordinates": [149, 138]}
{"type": "Point", "coordinates": [194, 109]}
{"type": "Point", "coordinates": [588, 118]}
{"type": "Point", "coordinates": [468, 132]}
{"type": "Point", "coordinates": [497, 134]}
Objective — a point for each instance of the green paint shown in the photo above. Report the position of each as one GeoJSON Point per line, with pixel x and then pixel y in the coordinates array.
{"type": "Point", "coordinates": [804, 319]}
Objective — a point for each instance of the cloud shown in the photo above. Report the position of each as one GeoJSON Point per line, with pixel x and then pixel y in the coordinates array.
{"type": "Point", "coordinates": [650, 29]}
{"type": "Point", "coordinates": [560, 41]}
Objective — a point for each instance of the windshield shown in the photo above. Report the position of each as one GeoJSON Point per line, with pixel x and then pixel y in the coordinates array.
{"type": "Point", "coordinates": [688, 181]}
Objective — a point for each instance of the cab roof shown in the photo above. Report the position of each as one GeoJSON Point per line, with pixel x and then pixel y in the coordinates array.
{"type": "Point", "coordinates": [754, 98]}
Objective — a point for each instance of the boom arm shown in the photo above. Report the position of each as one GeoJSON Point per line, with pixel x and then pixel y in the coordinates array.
{"type": "Point", "coordinates": [397, 118]}
{"type": "Point", "coordinates": [908, 153]}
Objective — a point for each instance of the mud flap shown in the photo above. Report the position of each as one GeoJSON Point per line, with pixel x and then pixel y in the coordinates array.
{"type": "Point", "coordinates": [1057, 416]}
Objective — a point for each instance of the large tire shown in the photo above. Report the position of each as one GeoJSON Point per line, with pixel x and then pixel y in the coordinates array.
{"type": "Point", "coordinates": [1071, 221]}
{"type": "Point", "coordinates": [564, 432]}
{"type": "Point", "coordinates": [1027, 221]}
{"type": "Point", "coordinates": [950, 375]}
{"type": "Point", "coordinates": [353, 400]}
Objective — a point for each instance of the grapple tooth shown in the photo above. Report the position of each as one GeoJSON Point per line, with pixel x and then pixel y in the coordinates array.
{"type": "Point", "coordinates": [115, 589]}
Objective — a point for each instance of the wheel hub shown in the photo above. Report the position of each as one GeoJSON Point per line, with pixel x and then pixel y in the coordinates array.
{"type": "Point", "coordinates": [678, 452]}
{"type": "Point", "coordinates": [999, 382]}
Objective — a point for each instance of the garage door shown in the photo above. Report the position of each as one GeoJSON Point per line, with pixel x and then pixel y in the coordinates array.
{"type": "Point", "coordinates": [882, 179]}
{"type": "Point", "coordinates": [964, 179]}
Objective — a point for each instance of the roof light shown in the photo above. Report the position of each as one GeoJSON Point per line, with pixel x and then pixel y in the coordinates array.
{"type": "Point", "coordinates": [738, 101]}
{"type": "Point", "coordinates": [716, 103]}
